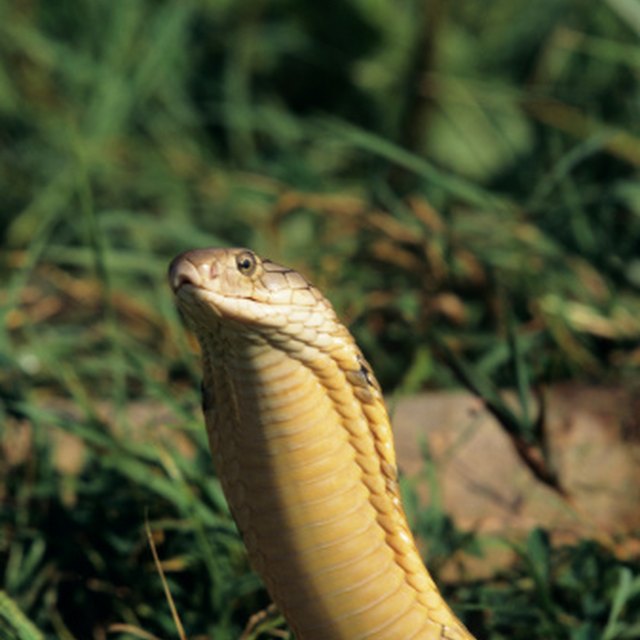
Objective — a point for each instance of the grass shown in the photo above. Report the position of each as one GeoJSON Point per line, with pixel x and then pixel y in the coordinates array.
{"type": "Point", "coordinates": [462, 183]}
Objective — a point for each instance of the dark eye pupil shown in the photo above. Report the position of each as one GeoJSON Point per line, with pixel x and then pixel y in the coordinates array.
{"type": "Point", "coordinates": [246, 264]}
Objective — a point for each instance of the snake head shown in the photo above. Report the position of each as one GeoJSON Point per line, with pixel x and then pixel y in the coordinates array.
{"type": "Point", "coordinates": [238, 289]}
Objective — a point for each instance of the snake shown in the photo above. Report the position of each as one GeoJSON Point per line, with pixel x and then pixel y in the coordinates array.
{"type": "Point", "coordinates": [302, 444]}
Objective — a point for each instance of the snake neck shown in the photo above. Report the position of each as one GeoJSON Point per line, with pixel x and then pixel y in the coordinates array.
{"type": "Point", "coordinates": [304, 457]}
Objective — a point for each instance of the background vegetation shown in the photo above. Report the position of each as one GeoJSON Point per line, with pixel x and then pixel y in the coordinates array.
{"type": "Point", "coordinates": [460, 178]}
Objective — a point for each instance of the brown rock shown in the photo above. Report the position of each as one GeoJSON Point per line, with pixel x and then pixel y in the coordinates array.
{"type": "Point", "coordinates": [594, 445]}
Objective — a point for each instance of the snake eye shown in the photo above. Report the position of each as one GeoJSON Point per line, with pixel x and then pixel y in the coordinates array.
{"type": "Point", "coordinates": [246, 263]}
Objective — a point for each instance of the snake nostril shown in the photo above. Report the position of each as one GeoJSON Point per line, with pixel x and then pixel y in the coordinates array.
{"type": "Point", "coordinates": [181, 279]}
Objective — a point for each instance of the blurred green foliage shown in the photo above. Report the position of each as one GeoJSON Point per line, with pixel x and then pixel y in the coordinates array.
{"type": "Point", "coordinates": [463, 174]}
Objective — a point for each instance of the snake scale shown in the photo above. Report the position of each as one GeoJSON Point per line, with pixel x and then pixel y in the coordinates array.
{"type": "Point", "coordinates": [302, 443]}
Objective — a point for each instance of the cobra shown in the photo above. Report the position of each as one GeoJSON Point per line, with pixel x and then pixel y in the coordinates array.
{"type": "Point", "coordinates": [302, 443]}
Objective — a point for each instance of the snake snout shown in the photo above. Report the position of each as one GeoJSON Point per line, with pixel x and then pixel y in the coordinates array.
{"type": "Point", "coordinates": [195, 268]}
{"type": "Point", "coordinates": [183, 271]}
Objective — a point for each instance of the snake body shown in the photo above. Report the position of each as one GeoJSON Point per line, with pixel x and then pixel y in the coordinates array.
{"type": "Point", "coordinates": [302, 443]}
